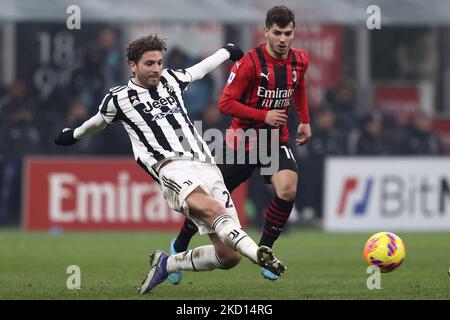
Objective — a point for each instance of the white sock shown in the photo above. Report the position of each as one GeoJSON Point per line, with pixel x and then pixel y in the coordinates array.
{"type": "Point", "coordinates": [203, 258]}
{"type": "Point", "coordinates": [235, 237]}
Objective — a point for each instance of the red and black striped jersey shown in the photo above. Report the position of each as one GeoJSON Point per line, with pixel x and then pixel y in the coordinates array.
{"type": "Point", "coordinates": [259, 83]}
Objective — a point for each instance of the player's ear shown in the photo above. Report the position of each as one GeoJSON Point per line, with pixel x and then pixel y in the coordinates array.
{"type": "Point", "coordinates": [132, 65]}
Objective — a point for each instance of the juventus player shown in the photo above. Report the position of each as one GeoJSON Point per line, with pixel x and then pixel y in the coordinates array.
{"type": "Point", "coordinates": [258, 95]}
{"type": "Point", "coordinates": [168, 147]}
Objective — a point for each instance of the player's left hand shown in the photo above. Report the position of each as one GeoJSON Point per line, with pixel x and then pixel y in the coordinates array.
{"type": "Point", "coordinates": [66, 138]}
{"type": "Point", "coordinates": [303, 134]}
{"type": "Point", "coordinates": [235, 52]}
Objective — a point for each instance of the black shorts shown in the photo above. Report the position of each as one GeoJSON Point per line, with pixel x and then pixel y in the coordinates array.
{"type": "Point", "coordinates": [239, 171]}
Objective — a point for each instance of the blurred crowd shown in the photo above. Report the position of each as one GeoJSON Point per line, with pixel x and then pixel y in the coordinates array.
{"type": "Point", "coordinates": [28, 126]}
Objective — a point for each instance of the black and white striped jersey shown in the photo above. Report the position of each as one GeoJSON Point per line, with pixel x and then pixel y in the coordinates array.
{"type": "Point", "coordinates": [156, 120]}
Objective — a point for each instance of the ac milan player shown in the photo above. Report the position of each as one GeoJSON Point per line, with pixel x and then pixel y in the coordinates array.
{"type": "Point", "coordinates": [258, 94]}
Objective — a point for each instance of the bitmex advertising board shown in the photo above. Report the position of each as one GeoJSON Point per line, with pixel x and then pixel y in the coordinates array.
{"type": "Point", "coordinates": [98, 194]}
{"type": "Point", "coordinates": [380, 194]}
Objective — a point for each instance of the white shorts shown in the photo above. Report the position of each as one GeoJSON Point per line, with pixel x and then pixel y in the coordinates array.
{"type": "Point", "coordinates": [180, 177]}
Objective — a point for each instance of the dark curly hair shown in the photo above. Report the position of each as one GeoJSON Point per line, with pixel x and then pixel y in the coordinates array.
{"type": "Point", "coordinates": [280, 15]}
{"type": "Point", "coordinates": [138, 47]}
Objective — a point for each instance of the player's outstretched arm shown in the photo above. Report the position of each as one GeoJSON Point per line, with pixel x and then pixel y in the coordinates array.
{"type": "Point", "coordinates": [91, 126]}
{"type": "Point", "coordinates": [199, 70]}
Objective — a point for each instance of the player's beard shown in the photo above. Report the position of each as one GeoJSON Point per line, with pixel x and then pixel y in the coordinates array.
{"type": "Point", "coordinates": [279, 52]}
{"type": "Point", "coordinates": [153, 81]}
{"type": "Point", "coordinates": [147, 81]}
{"type": "Point", "coordinates": [282, 49]}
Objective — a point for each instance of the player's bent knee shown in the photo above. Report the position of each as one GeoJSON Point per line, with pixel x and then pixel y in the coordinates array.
{"type": "Point", "coordinates": [230, 260]}
{"type": "Point", "coordinates": [288, 193]}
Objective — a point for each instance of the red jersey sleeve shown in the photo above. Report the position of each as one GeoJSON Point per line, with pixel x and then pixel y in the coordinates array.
{"type": "Point", "coordinates": [300, 97]}
{"type": "Point", "coordinates": [242, 76]}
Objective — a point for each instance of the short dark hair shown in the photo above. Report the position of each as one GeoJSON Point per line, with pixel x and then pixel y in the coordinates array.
{"type": "Point", "coordinates": [138, 47]}
{"type": "Point", "coordinates": [281, 15]}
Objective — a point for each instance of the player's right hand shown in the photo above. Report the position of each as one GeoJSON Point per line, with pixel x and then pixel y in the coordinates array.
{"type": "Point", "coordinates": [276, 118]}
{"type": "Point", "coordinates": [66, 138]}
{"type": "Point", "coordinates": [235, 52]}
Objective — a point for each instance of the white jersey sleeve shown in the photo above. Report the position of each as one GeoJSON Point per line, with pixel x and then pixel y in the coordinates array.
{"type": "Point", "coordinates": [199, 70]}
{"type": "Point", "coordinates": [182, 77]}
{"type": "Point", "coordinates": [107, 108]}
{"type": "Point", "coordinates": [90, 126]}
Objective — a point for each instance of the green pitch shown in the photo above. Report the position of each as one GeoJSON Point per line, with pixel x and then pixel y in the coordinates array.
{"type": "Point", "coordinates": [320, 266]}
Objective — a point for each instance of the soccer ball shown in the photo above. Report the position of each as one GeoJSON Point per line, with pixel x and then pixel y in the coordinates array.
{"type": "Point", "coordinates": [385, 250]}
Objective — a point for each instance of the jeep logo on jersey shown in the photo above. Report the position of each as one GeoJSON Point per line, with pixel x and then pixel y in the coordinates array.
{"type": "Point", "coordinates": [162, 115]}
{"type": "Point", "coordinates": [157, 104]}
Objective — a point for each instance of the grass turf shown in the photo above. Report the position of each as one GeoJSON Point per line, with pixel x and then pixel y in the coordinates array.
{"type": "Point", "coordinates": [320, 266]}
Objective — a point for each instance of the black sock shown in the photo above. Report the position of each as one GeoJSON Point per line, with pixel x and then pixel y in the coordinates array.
{"type": "Point", "coordinates": [186, 233]}
{"type": "Point", "coordinates": [276, 216]}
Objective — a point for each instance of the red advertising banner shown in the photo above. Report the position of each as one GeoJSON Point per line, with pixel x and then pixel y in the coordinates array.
{"type": "Point", "coordinates": [442, 129]}
{"type": "Point", "coordinates": [99, 194]}
{"type": "Point", "coordinates": [402, 101]}
{"type": "Point", "coordinates": [323, 44]}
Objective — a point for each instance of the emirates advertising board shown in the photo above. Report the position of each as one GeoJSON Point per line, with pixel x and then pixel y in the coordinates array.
{"type": "Point", "coordinates": [380, 194]}
{"type": "Point", "coordinates": [97, 194]}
